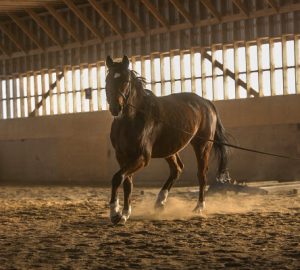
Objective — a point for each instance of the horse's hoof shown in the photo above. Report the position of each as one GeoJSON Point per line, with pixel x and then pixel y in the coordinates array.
{"type": "Point", "coordinates": [199, 208]}
{"type": "Point", "coordinates": [115, 219]}
{"type": "Point", "coordinates": [159, 207]}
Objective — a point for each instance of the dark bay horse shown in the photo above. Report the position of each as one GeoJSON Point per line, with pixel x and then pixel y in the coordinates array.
{"type": "Point", "coordinates": [146, 126]}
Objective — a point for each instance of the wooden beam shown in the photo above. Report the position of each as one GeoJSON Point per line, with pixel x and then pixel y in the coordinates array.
{"type": "Point", "coordinates": [4, 50]}
{"type": "Point", "coordinates": [107, 17]}
{"type": "Point", "coordinates": [131, 15]}
{"type": "Point", "coordinates": [230, 74]}
{"type": "Point", "coordinates": [208, 4]}
{"type": "Point", "coordinates": [155, 12]}
{"type": "Point", "coordinates": [62, 21]}
{"type": "Point", "coordinates": [86, 21]}
{"type": "Point", "coordinates": [273, 5]}
{"type": "Point", "coordinates": [44, 26]}
{"type": "Point", "coordinates": [26, 30]}
{"type": "Point", "coordinates": [241, 6]}
{"type": "Point", "coordinates": [12, 37]}
{"type": "Point", "coordinates": [179, 6]}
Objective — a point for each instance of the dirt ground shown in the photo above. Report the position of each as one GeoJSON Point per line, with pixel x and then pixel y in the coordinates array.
{"type": "Point", "coordinates": [68, 228]}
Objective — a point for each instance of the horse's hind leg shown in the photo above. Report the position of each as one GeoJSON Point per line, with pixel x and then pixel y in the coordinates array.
{"type": "Point", "coordinates": [202, 151]}
{"type": "Point", "coordinates": [176, 167]}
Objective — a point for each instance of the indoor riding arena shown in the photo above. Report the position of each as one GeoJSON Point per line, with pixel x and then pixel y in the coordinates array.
{"type": "Point", "coordinates": [88, 91]}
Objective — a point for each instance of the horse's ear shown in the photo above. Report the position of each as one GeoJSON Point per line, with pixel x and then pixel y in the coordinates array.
{"type": "Point", "coordinates": [109, 62]}
{"type": "Point", "coordinates": [125, 61]}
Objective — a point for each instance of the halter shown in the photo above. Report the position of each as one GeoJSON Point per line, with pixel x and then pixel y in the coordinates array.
{"type": "Point", "coordinates": [126, 97]}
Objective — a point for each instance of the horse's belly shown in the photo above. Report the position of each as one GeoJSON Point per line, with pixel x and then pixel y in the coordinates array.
{"type": "Point", "coordinates": [169, 144]}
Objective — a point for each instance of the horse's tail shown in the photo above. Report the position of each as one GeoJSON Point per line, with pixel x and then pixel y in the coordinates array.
{"type": "Point", "coordinates": [221, 150]}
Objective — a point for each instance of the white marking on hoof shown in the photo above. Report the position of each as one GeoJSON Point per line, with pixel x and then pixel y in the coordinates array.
{"type": "Point", "coordinates": [162, 198]}
{"type": "Point", "coordinates": [199, 207]}
{"type": "Point", "coordinates": [114, 209]}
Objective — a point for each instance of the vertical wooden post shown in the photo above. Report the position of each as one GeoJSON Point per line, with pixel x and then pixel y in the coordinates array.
{"type": "Point", "coordinates": [22, 101]}
{"type": "Point", "coordinates": [133, 62]}
{"type": "Point", "coordinates": [236, 70]}
{"type": "Point", "coordinates": [1, 100]}
{"type": "Point", "coordinates": [214, 74]}
{"type": "Point", "coordinates": [248, 73]}
{"type": "Point", "coordinates": [172, 72]}
{"type": "Point", "coordinates": [82, 96]}
{"type": "Point", "coordinates": [15, 99]}
{"type": "Point", "coordinates": [297, 63]}
{"type": "Point", "coordinates": [99, 90]}
{"type": "Point", "coordinates": [36, 93]}
{"type": "Point", "coordinates": [66, 85]}
{"type": "Point", "coordinates": [143, 67]}
{"type": "Point", "coordinates": [153, 84]}
{"type": "Point", "coordinates": [182, 79]}
{"type": "Point", "coordinates": [272, 67]}
{"type": "Point", "coordinates": [260, 72]}
{"type": "Point", "coordinates": [51, 97]}
{"type": "Point", "coordinates": [8, 98]}
{"type": "Point", "coordinates": [43, 74]}
{"type": "Point", "coordinates": [162, 74]}
{"type": "Point", "coordinates": [284, 66]}
{"type": "Point", "coordinates": [58, 92]}
{"type": "Point", "coordinates": [74, 90]}
{"type": "Point", "coordinates": [90, 75]}
{"type": "Point", "coordinates": [203, 73]}
{"type": "Point", "coordinates": [28, 93]}
{"type": "Point", "coordinates": [193, 77]}
{"type": "Point", "coordinates": [225, 77]}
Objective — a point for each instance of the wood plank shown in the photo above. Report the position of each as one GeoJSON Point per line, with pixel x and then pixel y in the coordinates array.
{"type": "Point", "coordinates": [25, 29]}
{"type": "Point", "coordinates": [297, 63]}
{"type": "Point", "coordinates": [272, 67]}
{"type": "Point", "coordinates": [86, 21]}
{"type": "Point", "coordinates": [4, 50]}
{"type": "Point", "coordinates": [182, 78]}
{"type": "Point", "coordinates": [236, 71]}
{"type": "Point", "coordinates": [22, 100]}
{"type": "Point", "coordinates": [43, 84]}
{"type": "Point", "coordinates": [8, 98]}
{"type": "Point", "coordinates": [248, 84]}
{"type": "Point", "coordinates": [211, 8]}
{"type": "Point", "coordinates": [74, 90]}
{"type": "Point", "coordinates": [155, 12]}
{"type": "Point", "coordinates": [162, 74]}
{"type": "Point", "coordinates": [214, 75]}
{"type": "Point", "coordinates": [15, 96]}
{"type": "Point", "coordinates": [99, 90]}
{"type": "Point", "coordinates": [225, 76]}
{"type": "Point", "coordinates": [284, 66]}
{"type": "Point", "coordinates": [50, 92]}
{"type": "Point", "coordinates": [153, 84]}
{"type": "Point", "coordinates": [1, 100]}
{"type": "Point", "coordinates": [193, 76]}
{"type": "Point", "coordinates": [107, 17]}
{"type": "Point", "coordinates": [203, 72]}
{"type": "Point", "coordinates": [82, 93]}
{"type": "Point", "coordinates": [28, 75]}
{"type": "Point", "coordinates": [13, 38]}
{"type": "Point", "coordinates": [66, 90]}
{"type": "Point", "coordinates": [36, 99]}
{"type": "Point", "coordinates": [44, 26]}
{"type": "Point", "coordinates": [181, 9]}
{"type": "Point", "coordinates": [260, 72]}
{"type": "Point", "coordinates": [241, 6]}
{"type": "Point", "coordinates": [63, 22]}
{"type": "Point", "coordinates": [58, 88]}
{"type": "Point", "coordinates": [273, 5]}
{"type": "Point", "coordinates": [131, 15]}
{"type": "Point", "coordinates": [91, 102]}
{"type": "Point", "coordinates": [172, 72]}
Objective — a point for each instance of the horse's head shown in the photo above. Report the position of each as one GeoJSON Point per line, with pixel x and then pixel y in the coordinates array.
{"type": "Point", "coordinates": [117, 84]}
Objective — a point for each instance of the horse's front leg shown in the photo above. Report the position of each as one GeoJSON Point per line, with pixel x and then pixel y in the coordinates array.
{"type": "Point", "coordinates": [127, 187]}
{"type": "Point", "coordinates": [126, 171]}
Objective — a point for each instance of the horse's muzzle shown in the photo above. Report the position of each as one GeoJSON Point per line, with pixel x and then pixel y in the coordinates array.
{"type": "Point", "coordinates": [115, 110]}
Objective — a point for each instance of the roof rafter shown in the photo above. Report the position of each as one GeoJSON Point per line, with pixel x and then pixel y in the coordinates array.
{"type": "Point", "coordinates": [155, 12]}
{"type": "Point", "coordinates": [26, 30]}
{"type": "Point", "coordinates": [62, 21]}
{"type": "Point", "coordinates": [84, 19]}
{"type": "Point", "coordinates": [4, 50]}
{"type": "Point", "coordinates": [178, 5]}
{"type": "Point", "coordinates": [130, 15]}
{"type": "Point", "coordinates": [107, 17]}
{"type": "Point", "coordinates": [12, 37]}
{"type": "Point", "coordinates": [44, 26]}
{"type": "Point", "coordinates": [208, 4]}
{"type": "Point", "coordinates": [273, 5]}
{"type": "Point", "coordinates": [241, 6]}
